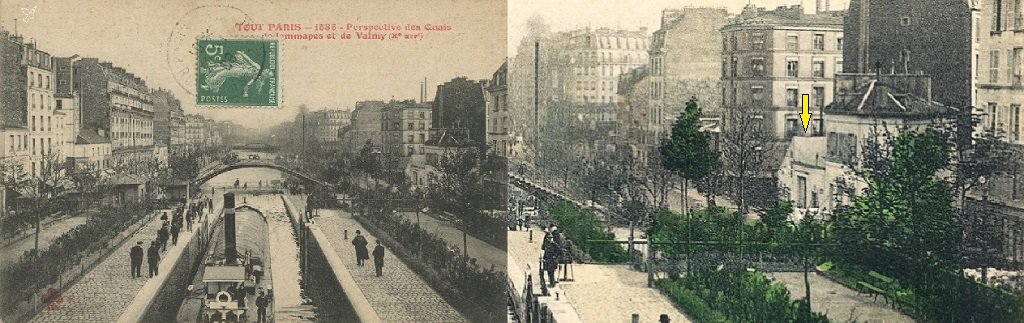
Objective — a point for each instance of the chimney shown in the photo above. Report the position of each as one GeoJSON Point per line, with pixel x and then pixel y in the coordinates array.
{"type": "Point", "coordinates": [230, 253]}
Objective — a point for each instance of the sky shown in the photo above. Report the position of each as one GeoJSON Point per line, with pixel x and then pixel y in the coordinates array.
{"type": "Point", "coordinates": [563, 15]}
{"type": "Point", "coordinates": [140, 36]}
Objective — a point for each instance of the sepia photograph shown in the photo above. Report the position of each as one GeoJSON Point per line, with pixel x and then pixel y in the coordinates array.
{"type": "Point", "coordinates": [253, 161]}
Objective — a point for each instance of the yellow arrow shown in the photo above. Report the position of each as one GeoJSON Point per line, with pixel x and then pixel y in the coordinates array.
{"type": "Point", "coordinates": [805, 116]}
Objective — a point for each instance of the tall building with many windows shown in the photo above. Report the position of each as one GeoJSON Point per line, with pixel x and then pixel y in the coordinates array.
{"type": "Point", "coordinates": [772, 57]}
{"type": "Point", "coordinates": [497, 112]}
{"type": "Point", "coordinates": [406, 125]}
{"type": "Point", "coordinates": [999, 36]}
{"type": "Point", "coordinates": [117, 105]}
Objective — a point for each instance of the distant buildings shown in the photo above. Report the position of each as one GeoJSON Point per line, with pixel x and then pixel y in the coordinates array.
{"type": "Point", "coordinates": [772, 57]}
{"type": "Point", "coordinates": [326, 125]}
{"type": "Point", "coordinates": [683, 62]}
{"type": "Point", "coordinates": [459, 111]}
{"type": "Point", "coordinates": [405, 126]}
{"type": "Point", "coordinates": [365, 126]}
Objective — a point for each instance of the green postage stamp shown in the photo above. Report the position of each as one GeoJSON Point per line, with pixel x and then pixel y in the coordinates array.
{"type": "Point", "coordinates": [237, 72]}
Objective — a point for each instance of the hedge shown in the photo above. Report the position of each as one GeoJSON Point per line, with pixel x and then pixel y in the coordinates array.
{"type": "Point", "coordinates": [690, 303]}
{"type": "Point", "coordinates": [583, 226]}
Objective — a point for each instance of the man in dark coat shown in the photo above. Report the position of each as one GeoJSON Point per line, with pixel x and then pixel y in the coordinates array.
{"type": "Point", "coordinates": [262, 302]}
{"type": "Point", "coordinates": [162, 236]}
{"type": "Point", "coordinates": [552, 256]}
{"type": "Point", "coordinates": [136, 256]}
{"type": "Point", "coordinates": [175, 229]}
{"type": "Point", "coordinates": [153, 255]}
{"type": "Point", "coordinates": [378, 258]}
{"type": "Point", "coordinates": [361, 252]}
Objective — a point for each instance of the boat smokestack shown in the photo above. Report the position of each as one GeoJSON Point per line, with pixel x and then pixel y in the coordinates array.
{"type": "Point", "coordinates": [230, 253]}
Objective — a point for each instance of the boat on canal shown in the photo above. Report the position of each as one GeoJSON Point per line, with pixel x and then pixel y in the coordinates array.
{"type": "Point", "coordinates": [235, 269]}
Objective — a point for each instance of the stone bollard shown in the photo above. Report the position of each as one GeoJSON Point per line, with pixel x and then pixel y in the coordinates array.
{"type": "Point", "coordinates": [636, 318]}
{"type": "Point", "coordinates": [346, 234]}
{"type": "Point", "coordinates": [664, 319]}
{"type": "Point", "coordinates": [531, 235]}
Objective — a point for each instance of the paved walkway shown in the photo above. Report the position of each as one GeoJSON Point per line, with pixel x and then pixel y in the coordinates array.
{"type": "Point", "coordinates": [107, 291]}
{"type": "Point", "coordinates": [841, 304]}
{"type": "Point", "coordinates": [486, 255]}
{"type": "Point", "coordinates": [12, 251]}
{"type": "Point", "coordinates": [599, 293]}
{"type": "Point", "coordinates": [400, 295]}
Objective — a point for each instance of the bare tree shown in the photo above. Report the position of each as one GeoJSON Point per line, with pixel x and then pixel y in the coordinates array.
{"type": "Point", "coordinates": [745, 141]}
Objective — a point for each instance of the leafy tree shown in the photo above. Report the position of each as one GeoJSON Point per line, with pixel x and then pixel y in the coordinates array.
{"type": "Point", "coordinates": [687, 152]}
{"type": "Point", "coordinates": [905, 222]}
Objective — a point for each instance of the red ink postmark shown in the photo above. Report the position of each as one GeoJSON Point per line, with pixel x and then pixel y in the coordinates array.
{"type": "Point", "coordinates": [53, 299]}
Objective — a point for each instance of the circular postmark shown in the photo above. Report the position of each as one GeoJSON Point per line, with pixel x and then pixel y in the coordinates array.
{"type": "Point", "coordinates": [203, 22]}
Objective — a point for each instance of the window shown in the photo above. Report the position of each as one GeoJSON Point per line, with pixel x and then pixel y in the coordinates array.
{"type": "Point", "coordinates": [409, 126]}
{"type": "Point", "coordinates": [819, 41]}
{"type": "Point", "coordinates": [757, 93]}
{"type": "Point", "coordinates": [801, 189]}
{"type": "Point", "coordinates": [732, 66]}
{"type": "Point", "coordinates": [732, 41]}
{"type": "Point", "coordinates": [757, 42]}
{"type": "Point", "coordinates": [993, 114]}
{"type": "Point", "coordinates": [839, 44]}
{"type": "Point", "coordinates": [422, 138]}
{"type": "Point", "coordinates": [757, 66]}
{"type": "Point", "coordinates": [1015, 66]}
{"type": "Point", "coordinates": [411, 139]}
{"type": "Point", "coordinates": [792, 67]}
{"type": "Point", "coordinates": [792, 42]}
{"type": "Point", "coordinates": [793, 97]}
{"type": "Point", "coordinates": [818, 68]}
{"type": "Point", "coordinates": [819, 96]}
{"type": "Point", "coordinates": [839, 66]}
{"type": "Point", "coordinates": [997, 23]}
{"type": "Point", "coordinates": [1015, 123]}
{"type": "Point", "coordinates": [47, 81]}
{"type": "Point", "coordinates": [993, 76]}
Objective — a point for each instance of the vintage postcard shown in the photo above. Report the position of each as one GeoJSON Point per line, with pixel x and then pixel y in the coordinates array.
{"type": "Point", "coordinates": [240, 161]}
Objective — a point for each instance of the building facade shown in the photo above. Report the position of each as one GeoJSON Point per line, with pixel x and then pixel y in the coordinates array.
{"type": "Point", "coordinates": [816, 171]}
{"type": "Point", "coordinates": [459, 108]}
{"type": "Point", "coordinates": [684, 62]}
{"type": "Point", "coordinates": [195, 131]}
{"type": "Point", "coordinates": [497, 113]}
{"type": "Point", "coordinates": [1000, 41]}
{"type": "Point", "coordinates": [405, 126]}
{"type": "Point", "coordinates": [326, 125]}
{"type": "Point", "coordinates": [932, 37]}
{"type": "Point", "coordinates": [365, 126]}
{"type": "Point", "coordinates": [117, 105]}
{"type": "Point", "coordinates": [770, 58]}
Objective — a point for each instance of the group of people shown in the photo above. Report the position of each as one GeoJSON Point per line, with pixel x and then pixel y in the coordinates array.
{"type": "Point", "coordinates": [363, 254]}
{"type": "Point", "coordinates": [183, 215]}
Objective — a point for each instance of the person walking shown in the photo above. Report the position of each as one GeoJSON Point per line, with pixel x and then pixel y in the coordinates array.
{"type": "Point", "coordinates": [162, 236]}
{"type": "Point", "coordinates": [153, 255]}
{"type": "Point", "coordinates": [378, 258]}
{"type": "Point", "coordinates": [262, 302]}
{"type": "Point", "coordinates": [361, 252]}
{"type": "Point", "coordinates": [175, 229]}
{"type": "Point", "coordinates": [136, 256]}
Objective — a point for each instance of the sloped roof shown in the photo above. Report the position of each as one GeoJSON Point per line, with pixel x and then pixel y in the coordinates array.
{"type": "Point", "coordinates": [882, 99]}
{"type": "Point", "coordinates": [89, 136]}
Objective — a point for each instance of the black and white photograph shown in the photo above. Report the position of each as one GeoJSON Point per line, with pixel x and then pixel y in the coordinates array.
{"type": "Point", "coordinates": [253, 161]}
